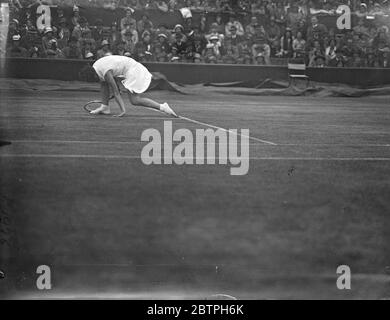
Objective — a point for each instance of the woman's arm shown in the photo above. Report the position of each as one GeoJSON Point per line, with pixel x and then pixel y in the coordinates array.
{"type": "Point", "coordinates": [109, 78]}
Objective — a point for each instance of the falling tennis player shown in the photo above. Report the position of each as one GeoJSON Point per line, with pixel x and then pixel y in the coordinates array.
{"type": "Point", "coordinates": [134, 77]}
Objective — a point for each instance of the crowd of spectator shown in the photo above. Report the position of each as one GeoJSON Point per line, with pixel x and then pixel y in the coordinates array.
{"type": "Point", "coordinates": [228, 31]}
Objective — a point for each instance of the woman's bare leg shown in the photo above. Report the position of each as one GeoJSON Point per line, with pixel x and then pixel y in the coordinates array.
{"type": "Point", "coordinates": [105, 96]}
{"type": "Point", "coordinates": [138, 100]}
{"type": "Point", "coordinates": [105, 92]}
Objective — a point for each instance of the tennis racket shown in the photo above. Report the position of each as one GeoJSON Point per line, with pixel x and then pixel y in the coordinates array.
{"type": "Point", "coordinates": [93, 104]}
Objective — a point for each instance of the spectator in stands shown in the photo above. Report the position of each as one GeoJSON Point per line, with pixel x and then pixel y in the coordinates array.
{"type": "Point", "coordinates": [198, 58]}
{"type": "Point", "coordinates": [163, 6]}
{"type": "Point", "coordinates": [115, 34]}
{"type": "Point", "coordinates": [371, 60]}
{"type": "Point", "coordinates": [130, 33]}
{"type": "Point", "coordinates": [319, 62]}
{"type": "Point", "coordinates": [360, 28]}
{"type": "Point", "coordinates": [173, 56]}
{"type": "Point", "coordinates": [293, 17]}
{"type": "Point", "coordinates": [128, 19]}
{"type": "Point", "coordinates": [48, 35]}
{"type": "Point", "coordinates": [31, 38]}
{"type": "Point", "coordinates": [233, 22]}
{"type": "Point", "coordinates": [123, 4]}
{"type": "Point", "coordinates": [330, 53]}
{"type": "Point", "coordinates": [209, 55]}
{"type": "Point", "coordinates": [190, 45]}
{"type": "Point", "coordinates": [163, 42]}
{"type": "Point", "coordinates": [233, 38]}
{"type": "Point", "coordinates": [302, 28]}
{"type": "Point", "coordinates": [53, 52]}
{"type": "Point", "coordinates": [104, 50]}
{"type": "Point", "coordinates": [60, 13]}
{"type": "Point", "coordinates": [139, 52]}
{"type": "Point", "coordinates": [135, 4]}
{"type": "Point", "coordinates": [147, 44]}
{"type": "Point", "coordinates": [35, 52]}
{"type": "Point", "coordinates": [15, 5]}
{"type": "Point", "coordinates": [252, 26]}
{"type": "Point", "coordinates": [194, 5]}
{"type": "Point", "coordinates": [88, 47]}
{"type": "Point", "coordinates": [377, 10]}
{"type": "Point", "coordinates": [29, 27]}
{"type": "Point", "coordinates": [219, 24]}
{"type": "Point", "coordinates": [216, 46]}
{"type": "Point", "coordinates": [244, 5]}
{"type": "Point", "coordinates": [180, 45]}
{"type": "Point", "coordinates": [357, 42]}
{"type": "Point", "coordinates": [80, 28]}
{"type": "Point", "coordinates": [86, 37]}
{"type": "Point", "coordinates": [367, 44]}
{"type": "Point", "coordinates": [144, 24]}
{"type": "Point", "coordinates": [316, 30]}
{"type": "Point", "coordinates": [179, 33]}
{"type": "Point", "coordinates": [98, 32]}
{"type": "Point", "coordinates": [63, 34]}
{"type": "Point", "coordinates": [280, 15]}
{"type": "Point", "coordinates": [286, 45]}
{"type": "Point", "coordinates": [160, 55]}
{"type": "Point", "coordinates": [261, 51]}
{"type": "Point", "coordinates": [340, 60]}
{"type": "Point", "coordinates": [119, 48]}
{"type": "Point", "coordinates": [197, 42]}
{"type": "Point", "coordinates": [299, 46]}
{"type": "Point", "coordinates": [383, 54]}
{"type": "Point", "coordinates": [231, 55]}
{"type": "Point", "coordinates": [72, 51]}
{"type": "Point", "coordinates": [110, 4]}
{"type": "Point", "coordinates": [273, 31]}
{"type": "Point", "coordinates": [163, 29]}
{"type": "Point", "coordinates": [214, 32]}
{"type": "Point", "coordinates": [381, 36]}
{"type": "Point", "coordinates": [203, 24]}
{"type": "Point", "coordinates": [362, 11]}
{"type": "Point", "coordinates": [245, 49]}
{"type": "Point", "coordinates": [357, 61]}
{"type": "Point", "coordinates": [224, 6]}
{"type": "Point", "coordinates": [16, 50]}
{"type": "Point", "coordinates": [340, 39]}
{"type": "Point", "coordinates": [257, 8]}
{"type": "Point", "coordinates": [314, 52]}
{"type": "Point", "coordinates": [348, 50]}
{"type": "Point", "coordinates": [76, 16]}
{"type": "Point", "coordinates": [172, 5]}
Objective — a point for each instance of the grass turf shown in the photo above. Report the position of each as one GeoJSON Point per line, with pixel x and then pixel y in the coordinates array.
{"type": "Point", "coordinates": [122, 229]}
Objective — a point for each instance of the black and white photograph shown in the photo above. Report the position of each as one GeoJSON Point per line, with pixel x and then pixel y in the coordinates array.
{"type": "Point", "coordinates": [194, 150]}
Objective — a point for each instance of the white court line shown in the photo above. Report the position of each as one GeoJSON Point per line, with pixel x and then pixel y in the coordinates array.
{"type": "Point", "coordinates": [254, 144]}
{"type": "Point", "coordinates": [216, 127]}
{"type": "Point", "coordinates": [100, 156]}
{"type": "Point", "coordinates": [217, 102]}
{"type": "Point", "coordinates": [226, 130]}
{"type": "Point", "coordinates": [76, 117]}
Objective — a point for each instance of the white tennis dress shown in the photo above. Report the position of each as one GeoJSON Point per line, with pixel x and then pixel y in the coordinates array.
{"type": "Point", "coordinates": [136, 77]}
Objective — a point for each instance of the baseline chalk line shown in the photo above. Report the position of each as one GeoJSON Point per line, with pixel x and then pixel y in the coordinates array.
{"type": "Point", "coordinates": [110, 156]}
{"type": "Point", "coordinates": [220, 128]}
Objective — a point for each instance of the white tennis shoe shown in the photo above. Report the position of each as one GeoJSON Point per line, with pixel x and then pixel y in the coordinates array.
{"type": "Point", "coordinates": [101, 110]}
{"type": "Point", "coordinates": [167, 109]}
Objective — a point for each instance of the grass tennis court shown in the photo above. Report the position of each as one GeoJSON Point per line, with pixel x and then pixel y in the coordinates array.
{"type": "Point", "coordinates": [79, 199]}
